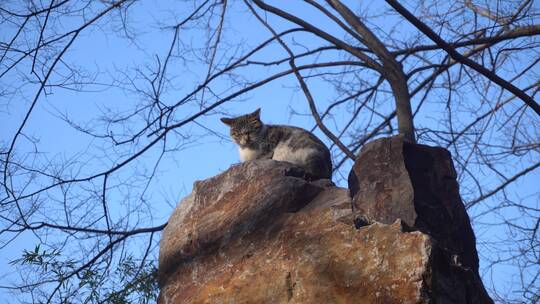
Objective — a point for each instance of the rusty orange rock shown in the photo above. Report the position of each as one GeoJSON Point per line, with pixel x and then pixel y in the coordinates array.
{"type": "Point", "coordinates": [260, 233]}
{"type": "Point", "coordinates": [393, 179]}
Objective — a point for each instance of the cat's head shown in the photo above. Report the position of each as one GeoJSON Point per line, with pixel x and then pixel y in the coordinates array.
{"type": "Point", "coordinates": [245, 129]}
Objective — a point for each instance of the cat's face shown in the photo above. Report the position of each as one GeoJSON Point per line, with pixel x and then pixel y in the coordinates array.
{"type": "Point", "coordinates": [245, 129]}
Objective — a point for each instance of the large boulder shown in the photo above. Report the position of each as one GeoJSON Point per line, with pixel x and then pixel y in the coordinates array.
{"type": "Point", "coordinates": [261, 233]}
{"type": "Point", "coordinates": [393, 179]}
{"type": "Point", "coordinates": [228, 206]}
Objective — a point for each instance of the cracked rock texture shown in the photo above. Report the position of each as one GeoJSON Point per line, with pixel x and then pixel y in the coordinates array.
{"type": "Point", "coordinates": [392, 179]}
{"type": "Point", "coordinates": [260, 233]}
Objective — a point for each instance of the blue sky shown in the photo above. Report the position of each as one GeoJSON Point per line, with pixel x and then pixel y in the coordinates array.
{"type": "Point", "coordinates": [206, 149]}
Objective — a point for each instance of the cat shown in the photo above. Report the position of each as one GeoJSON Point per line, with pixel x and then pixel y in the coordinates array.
{"type": "Point", "coordinates": [283, 143]}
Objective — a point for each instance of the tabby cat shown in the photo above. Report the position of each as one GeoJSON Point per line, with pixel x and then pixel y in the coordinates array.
{"type": "Point", "coordinates": [284, 143]}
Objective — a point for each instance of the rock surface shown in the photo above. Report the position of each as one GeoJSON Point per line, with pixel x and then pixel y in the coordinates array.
{"type": "Point", "coordinates": [392, 179]}
{"type": "Point", "coordinates": [228, 206]}
{"type": "Point", "coordinates": [260, 233]}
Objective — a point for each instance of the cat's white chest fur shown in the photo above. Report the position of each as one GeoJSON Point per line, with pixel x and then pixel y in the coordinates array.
{"type": "Point", "coordinates": [247, 154]}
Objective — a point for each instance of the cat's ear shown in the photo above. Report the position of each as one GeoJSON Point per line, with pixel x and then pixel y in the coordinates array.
{"type": "Point", "coordinates": [227, 121]}
{"type": "Point", "coordinates": [256, 114]}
